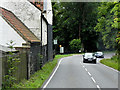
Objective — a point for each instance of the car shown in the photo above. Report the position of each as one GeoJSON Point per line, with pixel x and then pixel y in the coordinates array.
{"type": "Point", "coordinates": [99, 54]}
{"type": "Point", "coordinates": [89, 57]}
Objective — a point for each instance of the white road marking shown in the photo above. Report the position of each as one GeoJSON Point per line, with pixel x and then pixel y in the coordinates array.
{"type": "Point", "coordinates": [56, 70]}
{"type": "Point", "coordinates": [110, 68]}
{"type": "Point", "coordinates": [85, 69]}
{"type": "Point", "coordinates": [98, 87]}
{"type": "Point", "coordinates": [52, 74]}
{"type": "Point", "coordinates": [93, 79]}
{"type": "Point", "coordinates": [89, 73]}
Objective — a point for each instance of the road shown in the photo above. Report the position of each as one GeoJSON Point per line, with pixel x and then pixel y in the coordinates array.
{"type": "Point", "coordinates": [73, 73]}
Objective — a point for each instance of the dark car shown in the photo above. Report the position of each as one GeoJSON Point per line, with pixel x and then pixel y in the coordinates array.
{"type": "Point", "coordinates": [89, 57]}
{"type": "Point", "coordinates": [99, 54]}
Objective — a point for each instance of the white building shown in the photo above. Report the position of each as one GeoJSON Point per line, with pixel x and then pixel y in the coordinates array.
{"type": "Point", "coordinates": [28, 24]}
{"type": "Point", "coordinates": [11, 28]}
{"type": "Point", "coordinates": [30, 12]}
{"type": "Point", "coordinates": [37, 16]}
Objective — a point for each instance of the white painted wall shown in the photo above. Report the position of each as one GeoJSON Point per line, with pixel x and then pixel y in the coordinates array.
{"type": "Point", "coordinates": [49, 17]}
{"type": "Point", "coordinates": [30, 16]}
{"type": "Point", "coordinates": [27, 13]}
{"type": "Point", "coordinates": [44, 32]}
{"type": "Point", "coordinates": [49, 14]}
{"type": "Point", "coordinates": [7, 33]}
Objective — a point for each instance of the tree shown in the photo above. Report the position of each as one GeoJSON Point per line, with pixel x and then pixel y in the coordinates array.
{"type": "Point", "coordinates": [75, 45]}
{"type": "Point", "coordinates": [108, 21]}
{"type": "Point", "coordinates": [75, 21]}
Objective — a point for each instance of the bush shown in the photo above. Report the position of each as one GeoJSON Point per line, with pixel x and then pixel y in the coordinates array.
{"type": "Point", "coordinates": [118, 48]}
{"type": "Point", "coordinates": [75, 45]}
{"type": "Point", "coordinates": [118, 43]}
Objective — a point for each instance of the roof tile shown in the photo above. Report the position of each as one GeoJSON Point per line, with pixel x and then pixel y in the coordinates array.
{"type": "Point", "coordinates": [38, 3]}
{"type": "Point", "coordinates": [18, 25]}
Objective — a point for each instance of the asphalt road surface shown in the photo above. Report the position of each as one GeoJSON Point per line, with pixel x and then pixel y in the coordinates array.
{"type": "Point", "coordinates": [73, 73]}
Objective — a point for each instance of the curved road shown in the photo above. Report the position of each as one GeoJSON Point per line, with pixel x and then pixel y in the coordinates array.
{"type": "Point", "coordinates": [73, 73]}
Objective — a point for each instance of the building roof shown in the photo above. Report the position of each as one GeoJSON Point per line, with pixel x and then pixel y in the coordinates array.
{"type": "Point", "coordinates": [37, 3]}
{"type": "Point", "coordinates": [18, 26]}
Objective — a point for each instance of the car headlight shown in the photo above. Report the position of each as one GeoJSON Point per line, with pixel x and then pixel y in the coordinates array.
{"type": "Point", "coordinates": [94, 58]}
{"type": "Point", "coordinates": [85, 58]}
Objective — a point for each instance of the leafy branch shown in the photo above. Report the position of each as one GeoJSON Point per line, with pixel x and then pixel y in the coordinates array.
{"type": "Point", "coordinates": [12, 60]}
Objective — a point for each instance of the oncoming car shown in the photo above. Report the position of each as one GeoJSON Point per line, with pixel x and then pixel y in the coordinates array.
{"type": "Point", "coordinates": [89, 57]}
{"type": "Point", "coordinates": [99, 54]}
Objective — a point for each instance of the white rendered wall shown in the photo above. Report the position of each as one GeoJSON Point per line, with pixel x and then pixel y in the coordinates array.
{"type": "Point", "coordinates": [49, 14]}
{"type": "Point", "coordinates": [30, 15]}
{"type": "Point", "coordinates": [44, 32]}
{"type": "Point", "coordinates": [27, 13]}
{"type": "Point", "coordinates": [7, 33]}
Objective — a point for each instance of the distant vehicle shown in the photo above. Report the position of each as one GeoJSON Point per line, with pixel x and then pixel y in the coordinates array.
{"type": "Point", "coordinates": [89, 57]}
{"type": "Point", "coordinates": [99, 54]}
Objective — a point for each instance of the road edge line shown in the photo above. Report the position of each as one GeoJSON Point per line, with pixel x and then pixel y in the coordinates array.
{"type": "Point", "coordinates": [52, 74]}
{"type": "Point", "coordinates": [109, 67]}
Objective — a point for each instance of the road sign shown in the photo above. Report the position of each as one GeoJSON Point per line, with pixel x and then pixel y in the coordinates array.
{"type": "Point", "coordinates": [61, 49]}
{"type": "Point", "coordinates": [55, 41]}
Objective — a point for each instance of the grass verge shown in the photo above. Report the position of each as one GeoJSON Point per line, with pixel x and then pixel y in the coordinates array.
{"type": "Point", "coordinates": [113, 62]}
{"type": "Point", "coordinates": [38, 78]}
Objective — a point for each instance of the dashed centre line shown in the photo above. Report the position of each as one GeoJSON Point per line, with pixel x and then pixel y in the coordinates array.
{"type": "Point", "coordinates": [90, 76]}
{"type": "Point", "coordinates": [85, 69]}
{"type": "Point", "coordinates": [89, 73]}
{"type": "Point", "coordinates": [98, 87]}
{"type": "Point", "coordinates": [93, 79]}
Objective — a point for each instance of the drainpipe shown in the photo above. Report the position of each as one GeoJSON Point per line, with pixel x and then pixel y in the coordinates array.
{"type": "Point", "coordinates": [41, 26]}
{"type": "Point", "coordinates": [41, 36]}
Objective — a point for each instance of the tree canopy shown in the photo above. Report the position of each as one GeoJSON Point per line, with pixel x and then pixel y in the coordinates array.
{"type": "Point", "coordinates": [95, 24]}
{"type": "Point", "coordinates": [108, 22]}
{"type": "Point", "coordinates": [73, 20]}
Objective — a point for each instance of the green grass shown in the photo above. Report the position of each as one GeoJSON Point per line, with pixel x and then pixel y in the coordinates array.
{"type": "Point", "coordinates": [109, 51]}
{"type": "Point", "coordinates": [113, 62]}
{"type": "Point", "coordinates": [38, 78]}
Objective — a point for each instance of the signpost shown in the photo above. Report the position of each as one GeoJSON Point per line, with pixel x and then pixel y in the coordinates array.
{"type": "Point", "coordinates": [55, 43]}
{"type": "Point", "coordinates": [61, 50]}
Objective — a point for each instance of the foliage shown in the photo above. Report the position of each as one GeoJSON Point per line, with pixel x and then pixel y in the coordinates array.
{"type": "Point", "coordinates": [12, 60]}
{"type": "Point", "coordinates": [75, 20]}
{"type": "Point", "coordinates": [108, 20]}
{"type": "Point", "coordinates": [40, 60]}
{"type": "Point", "coordinates": [118, 44]}
{"type": "Point", "coordinates": [75, 45]}
{"type": "Point", "coordinates": [37, 79]}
